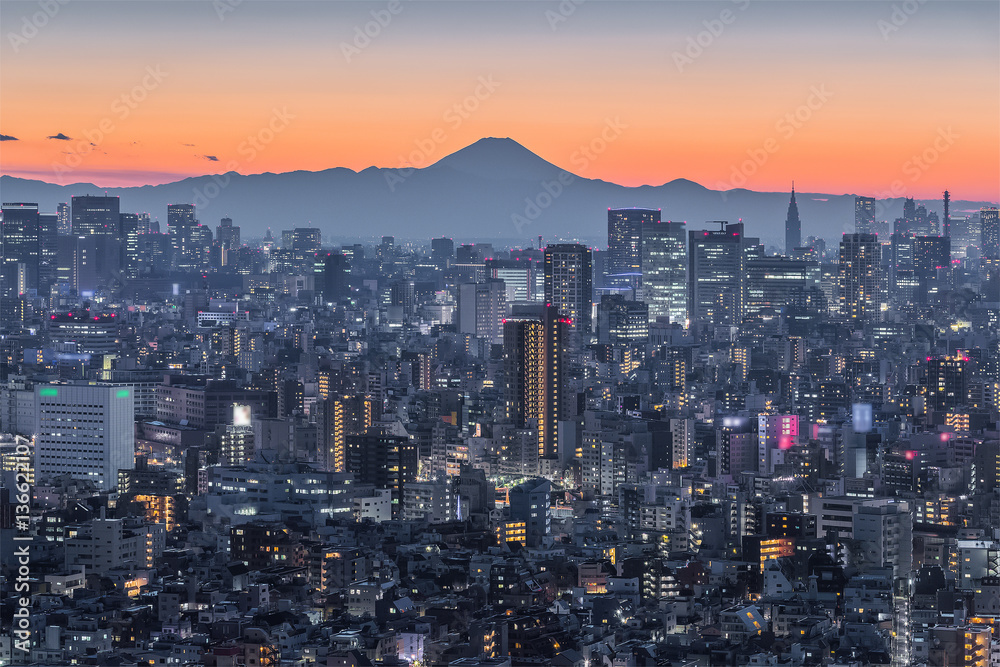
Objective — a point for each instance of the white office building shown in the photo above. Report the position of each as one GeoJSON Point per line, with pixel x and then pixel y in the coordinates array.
{"type": "Point", "coordinates": [85, 431]}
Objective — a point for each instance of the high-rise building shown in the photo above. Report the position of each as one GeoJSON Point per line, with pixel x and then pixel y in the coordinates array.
{"type": "Point", "coordinates": [482, 308]}
{"type": "Point", "coordinates": [664, 270]}
{"type": "Point", "coordinates": [342, 417]}
{"type": "Point", "coordinates": [188, 239]}
{"type": "Point", "coordinates": [624, 265]}
{"type": "Point", "coordinates": [534, 374]}
{"type": "Point", "coordinates": [946, 222]}
{"type": "Point", "coordinates": [793, 226]}
{"type": "Point", "coordinates": [442, 250]}
{"type": "Point", "coordinates": [84, 431]}
{"type": "Point", "coordinates": [989, 220]}
{"type": "Point", "coordinates": [860, 277]}
{"type": "Point", "coordinates": [332, 271]}
{"type": "Point", "coordinates": [777, 282]}
{"type": "Point", "coordinates": [569, 283]}
{"type": "Point", "coordinates": [947, 382]}
{"type": "Point", "coordinates": [620, 320]}
{"type": "Point", "coordinates": [716, 268]}
{"type": "Point", "coordinates": [864, 215]}
{"type": "Point", "coordinates": [519, 277]}
{"type": "Point", "coordinates": [96, 215]}
{"type": "Point", "coordinates": [64, 217]}
{"type": "Point", "coordinates": [385, 459]}
{"type": "Point", "coordinates": [228, 234]}
{"type": "Point", "coordinates": [22, 248]}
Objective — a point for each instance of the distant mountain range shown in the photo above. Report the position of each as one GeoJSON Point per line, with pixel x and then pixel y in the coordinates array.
{"type": "Point", "coordinates": [495, 189]}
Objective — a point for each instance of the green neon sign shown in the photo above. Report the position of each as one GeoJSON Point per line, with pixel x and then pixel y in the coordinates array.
{"type": "Point", "coordinates": [48, 391]}
{"type": "Point", "coordinates": [122, 393]}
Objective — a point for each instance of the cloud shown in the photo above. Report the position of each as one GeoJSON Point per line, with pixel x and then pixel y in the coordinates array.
{"type": "Point", "coordinates": [211, 157]}
{"type": "Point", "coordinates": [60, 137]}
{"type": "Point", "coordinates": [187, 144]}
{"type": "Point", "coordinates": [7, 137]}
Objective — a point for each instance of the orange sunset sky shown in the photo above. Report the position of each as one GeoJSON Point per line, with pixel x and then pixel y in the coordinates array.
{"type": "Point", "coordinates": [698, 89]}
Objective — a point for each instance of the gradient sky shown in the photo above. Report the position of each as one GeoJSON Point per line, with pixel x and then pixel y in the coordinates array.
{"type": "Point", "coordinates": [896, 87]}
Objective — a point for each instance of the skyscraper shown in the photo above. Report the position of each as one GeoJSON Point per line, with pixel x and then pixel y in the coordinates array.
{"type": "Point", "coordinates": [946, 223]}
{"type": "Point", "coordinates": [569, 283]}
{"type": "Point", "coordinates": [227, 234]}
{"type": "Point", "coordinates": [664, 270]}
{"type": "Point", "coordinates": [624, 267]}
{"type": "Point", "coordinates": [188, 239]}
{"type": "Point", "coordinates": [864, 215]}
{"type": "Point", "coordinates": [990, 230]}
{"type": "Point", "coordinates": [533, 375]}
{"type": "Point", "coordinates": [860, 277]}
{"type": "Point", "coordinates": [793, 226]}
{"type": "Point", "coordinates": [21, 246]}
{"type": "Point", "coordinates": [95, 215]}
{"type": "Point", "coordinates": [64, 219]}
{"type": "Point", "coordinates": [716, 267]}
{"type": "Point", "coordinates": [482, 308]}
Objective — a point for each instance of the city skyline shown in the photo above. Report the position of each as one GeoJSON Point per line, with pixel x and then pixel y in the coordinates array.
{"type": "Point", "coordinates": [584, 77]}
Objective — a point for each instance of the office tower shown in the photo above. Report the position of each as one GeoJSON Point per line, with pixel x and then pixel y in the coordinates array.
{"type": "Point", "coordinates": [95, 215]}
{"type": "Point", "coordinates": [227, 234]}
{"type": "Point", "coordinates": [64, 219]}
{"type": "Point", "coordinates": [990, 231]}
{"type": "Point", "coordinates": [860, 278]}
{"type": "Point", "coordinates": [128, 235]}
{"type": "Point", "coordinates": [569, 283]}
{"type": "Point", "coordinates": [778, 282]}
{"type": "Point", "coordinates": [864, 215]}
{"type": "Point", "coordinates": [84, 431]}
{"type": "Point", "coordinates": [931, 257]}
{"type": "Point", "coordinates": [332, 271]}
{"type": "Point", "coordinates": [620, 320]}
{"type": "Point", "coordinates": [716, 267]}
{"type": "Point", "coordinates": [22, 248]}
{"type": "Point", "coordinates": [48, 242]}
{"type": "Point", "coordinates": [482, 308]}
{"type": "Point", "coordinates": [624, 267]}
{"type": "Point", "coordinates": [534, 375]}
{"type": "Point", "coordinates": [188, 239]}
{"type": "Point", "coordinates": [519, 277]}
{"type": "Point", "coordinates": [947, 382]}
{"type": "Point", "coordinates": [385, 459]}
{"type": "Point", "coordinates": [664, 270]}
{"type": "Point", "coordinates": [793, 226]}
{"type": "Point", "coordinates": [946, 223]}
{"type": "Point", "coordinates": [306, 241]}
{"type": "Point", "coordinates": [442, 250]}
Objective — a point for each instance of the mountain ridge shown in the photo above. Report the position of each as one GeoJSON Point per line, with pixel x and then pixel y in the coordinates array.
{"type": "Point", "coordinates": [493, 188]}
